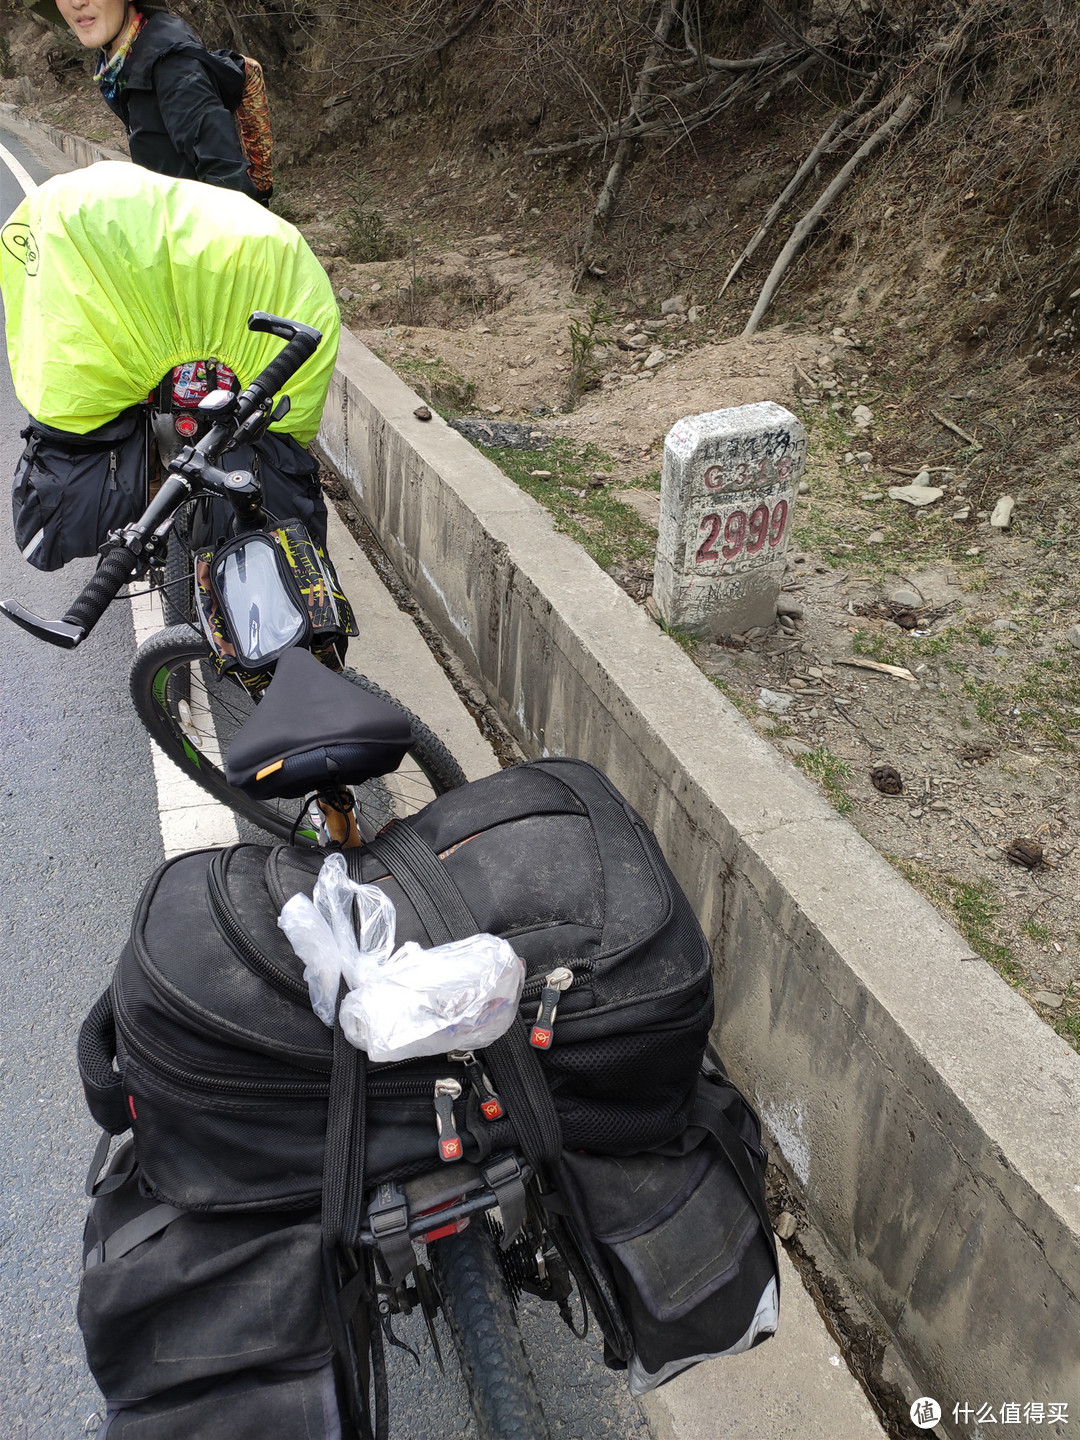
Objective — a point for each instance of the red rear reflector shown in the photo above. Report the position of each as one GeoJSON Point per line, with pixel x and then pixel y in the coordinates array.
{"type": "Point", "coordinates": [185, 425]}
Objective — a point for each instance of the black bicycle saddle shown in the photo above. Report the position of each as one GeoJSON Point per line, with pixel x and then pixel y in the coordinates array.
{"type": "Point", "coordinates": [313, 728]}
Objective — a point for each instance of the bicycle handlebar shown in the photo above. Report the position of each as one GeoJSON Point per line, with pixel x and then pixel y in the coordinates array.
{"type": "Point", "coordinates": [303, 341]}
{"type": "Point", "coordinates": [121, 562]}
{"type": "Point", "coordinates": [88, 607]}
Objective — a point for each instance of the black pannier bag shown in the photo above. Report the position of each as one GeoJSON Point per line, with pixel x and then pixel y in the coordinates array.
{"type": "Point", "coordinates": [679, 1240]}
{"type": "Point", "coordinates": [224, 1072]}
{"type": "Point", "coordinates": [205, 1325]}
{"type": "Point", "coordinates": [71, 491]}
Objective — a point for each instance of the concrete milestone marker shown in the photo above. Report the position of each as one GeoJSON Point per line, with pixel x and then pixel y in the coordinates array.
{"type": "Point", "coordinates": [727, 494]}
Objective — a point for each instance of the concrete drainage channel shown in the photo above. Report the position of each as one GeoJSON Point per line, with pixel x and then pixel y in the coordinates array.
{"type": "Point", "coordinates": [926, 1122]}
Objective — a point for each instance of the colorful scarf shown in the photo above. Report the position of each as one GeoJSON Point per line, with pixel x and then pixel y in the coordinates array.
{"type": "Point", "coordinates": [107, 73]}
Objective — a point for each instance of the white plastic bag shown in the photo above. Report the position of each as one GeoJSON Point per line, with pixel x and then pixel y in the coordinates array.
{"type": "Point", "coordinates": [460, 996]}
{"type": "Point", "coordinates": [322, 932]}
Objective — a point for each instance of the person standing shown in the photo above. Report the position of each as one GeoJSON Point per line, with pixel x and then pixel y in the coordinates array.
{"type": "Point", "coordinates": [176, 99]}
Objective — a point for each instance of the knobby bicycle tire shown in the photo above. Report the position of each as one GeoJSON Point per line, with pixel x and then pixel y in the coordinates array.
{"type": "Point", "coordinates": [177, 592]}
{"type": "Point", "coordinates": [192, 714]}
{"type": "Point", "coordinates": [483, 1326]}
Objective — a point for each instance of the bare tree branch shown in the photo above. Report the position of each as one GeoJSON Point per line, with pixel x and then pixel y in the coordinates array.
{"type": "Point", "coordinates": [610, 188]}
{"type": "Point", "coordinates": [798, 180]}
{"type": "Point", "coordinates": [908, 107]}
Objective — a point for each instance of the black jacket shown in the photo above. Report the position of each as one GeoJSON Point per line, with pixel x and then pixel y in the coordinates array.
{"type": "Point", "coordinates": [176, 101]}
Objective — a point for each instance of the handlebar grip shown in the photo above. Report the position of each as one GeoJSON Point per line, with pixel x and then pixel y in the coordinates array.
{"type": "Point", "coordinates": [284, 366]}
{"type": "Point", "coordinates": [102, 588]}
{"type": "Point", "coordinates": [303, 341]}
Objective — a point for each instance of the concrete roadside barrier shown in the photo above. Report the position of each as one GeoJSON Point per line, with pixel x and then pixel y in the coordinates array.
{"type": "Point", "coordinates": [929, 1119]}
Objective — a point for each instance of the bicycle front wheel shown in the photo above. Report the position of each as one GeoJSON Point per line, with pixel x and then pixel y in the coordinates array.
{"type": "Point", "coordinates": [484, 1329]}
{"type": "Point", "coordinates": [193, 713]}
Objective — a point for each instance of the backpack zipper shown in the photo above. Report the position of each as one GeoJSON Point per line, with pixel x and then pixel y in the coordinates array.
{"type": "Point", "coordinates": [413, 1087]}
{"type": "Point", "coordinates": [241, 941]}
{"type": "Point", "coordinates": [301, 1089]}
{"type": "Point", "coordinates": [581, 971]}
{"type": "Point", "coordinates": [112, 471]}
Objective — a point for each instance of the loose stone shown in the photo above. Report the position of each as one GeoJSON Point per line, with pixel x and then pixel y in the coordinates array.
{"type": "Point", "coordinates": [915, 494]}
{"type": "Point", "coordinates": [773, 701]}
{"type": "Point", "coordinates": [1001, 517]}
{"type": "Point", "coordinates": [906, 597]}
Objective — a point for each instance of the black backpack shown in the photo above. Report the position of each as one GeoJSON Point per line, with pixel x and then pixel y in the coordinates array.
{"type": "Point", "coordinates": [239, 1098]}
{"type": "Point", "coordinates": [226, 1075]}
{"type": "Point", "coordinates": [70, 491]}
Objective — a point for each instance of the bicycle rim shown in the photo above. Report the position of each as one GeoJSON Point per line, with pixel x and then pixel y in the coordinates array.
{"type": "Point", "coordinates": [193, 713]}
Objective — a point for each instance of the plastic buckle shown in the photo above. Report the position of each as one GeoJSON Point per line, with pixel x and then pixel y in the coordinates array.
{"type": "Point", "coordinates": [388, 1214]}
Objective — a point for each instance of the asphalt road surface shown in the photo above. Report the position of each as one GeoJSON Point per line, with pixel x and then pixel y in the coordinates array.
{"type": "Point", "coordinates": [80, 834]}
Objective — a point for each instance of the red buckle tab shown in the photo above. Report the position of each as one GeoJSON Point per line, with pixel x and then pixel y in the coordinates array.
{"type": "Point", "coordinates": [450, 1148]}
{"type": "Point", "coordinates": [541, 1038]}
{"type": "Point", "coordinates": [491, 1109]}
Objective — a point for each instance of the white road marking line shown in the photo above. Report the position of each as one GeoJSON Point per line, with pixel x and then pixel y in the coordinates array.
{"type": "Point", "coordinates": [189, 818]}
{"type": "Point", "coordinates": [28, 183]}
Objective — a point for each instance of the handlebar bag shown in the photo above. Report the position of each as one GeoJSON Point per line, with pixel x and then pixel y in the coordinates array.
{"type": "Point", "coordinates": [204, 1325]}
{"type": "Point", "coordinates": [681, 1233]}
{"type": "Point", "coordinates": [71, 491]}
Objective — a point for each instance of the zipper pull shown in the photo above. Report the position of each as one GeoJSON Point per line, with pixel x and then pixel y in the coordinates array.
{"type": "Point", "coordinates": [543, 1030]}
{"type": "Point", "coordinates": [491, 1107]}
{"type": "Point", "coordinates": [446, 1092]}
{"type": "Point", "coordinates": [112, 471]}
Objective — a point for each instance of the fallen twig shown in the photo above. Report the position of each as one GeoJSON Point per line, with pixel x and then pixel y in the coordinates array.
{"type": "Point", "coordinates": [900, 671]}
{"type": "Point", "coordinates": [798, 367]}
{"type": "Point", "coordinates": [905, 111]}
{"type": "Point", "coordinates": [967, 439]}
{"type": "Point", "coordinates": [795, 184]}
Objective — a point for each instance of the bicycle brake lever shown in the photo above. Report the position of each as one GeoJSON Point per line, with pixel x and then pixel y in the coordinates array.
{"type": "Point", "coordinates": [56, 632]}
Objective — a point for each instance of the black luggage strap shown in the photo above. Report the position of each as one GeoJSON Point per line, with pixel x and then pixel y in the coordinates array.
{"type": "Point", "coordinates": [422, 875]}
{"type": "Point", "coordinates": [445, 916]}
{"type": "Point", "coordinates": [343, 1157]}
{"type": "Point", "coordinates": [503, 1176]}
{"type": "Point", "coordinates": [712, 1118]}
{"type": "Point", "coordinates": [144, 1227]}
{"type": "Point", "coordinates": [112, 1181]}
{"type": "Point", "coordinates": [388, 1217]}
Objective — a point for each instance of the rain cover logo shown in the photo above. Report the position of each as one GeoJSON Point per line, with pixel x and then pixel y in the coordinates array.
{"type": "Point", "coordinates": [19, 241]}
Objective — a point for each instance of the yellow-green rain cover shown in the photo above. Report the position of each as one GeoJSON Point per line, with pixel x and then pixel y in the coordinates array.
{"type": "Point", "coordinates": [112, 275]}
